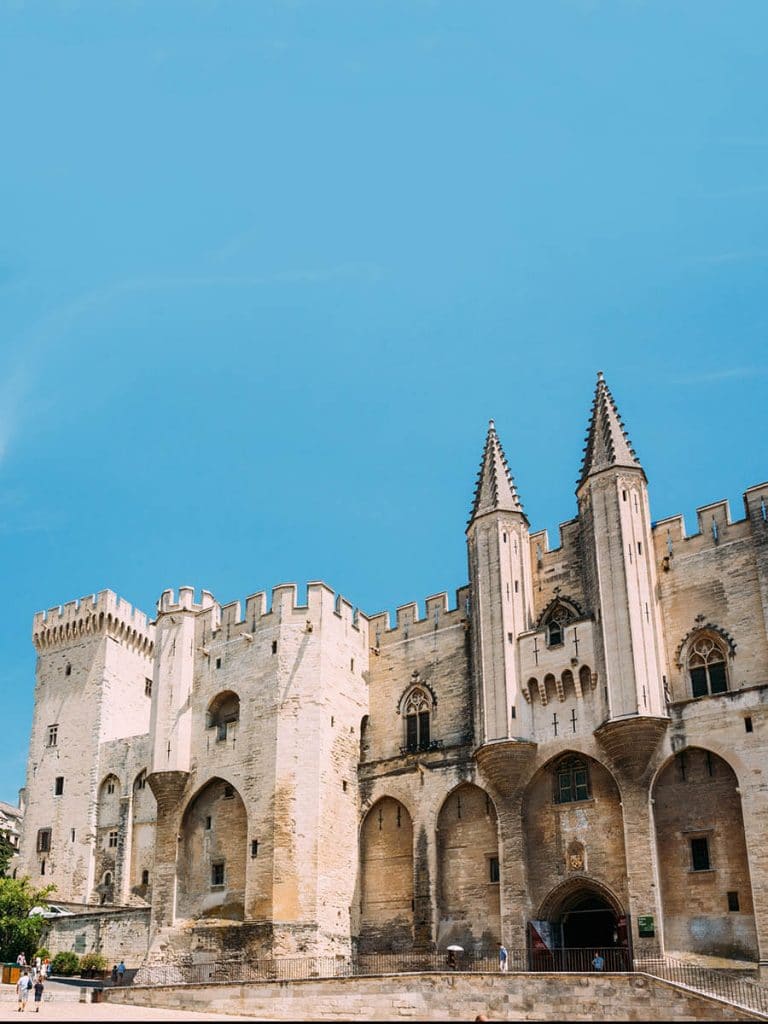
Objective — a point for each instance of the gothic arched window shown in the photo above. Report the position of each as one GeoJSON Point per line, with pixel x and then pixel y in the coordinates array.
{"type": "Point", "coordinates": [555, 619]}
{"type": "Point", "coordinates": [416, 711]}
{"type": "Point", "coordinates": [571, 780]}
{"type": "Point", "coordinates": [707, 665]}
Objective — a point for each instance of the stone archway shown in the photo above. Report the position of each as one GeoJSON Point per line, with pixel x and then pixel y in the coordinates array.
{"type": "Point", "coordinates": [578, 919]}
{"type": "Point", "coordinates": [386, 875]}
{"type": "Point", "coordinates": [212, 854]}
{"type": "Point", "coordinates": [468, 870]}
{"type": "Point", "coordinates": [706, 889]}
{"type": "Point", "coordinates": [573, 828]}
{"type": "Point", "coordinates": [143, 818]}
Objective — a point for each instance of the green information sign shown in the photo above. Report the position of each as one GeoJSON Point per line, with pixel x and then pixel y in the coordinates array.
{"type": "Point", "coordinates": [645, 926]}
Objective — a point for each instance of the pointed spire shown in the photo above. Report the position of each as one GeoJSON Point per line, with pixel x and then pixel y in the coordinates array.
{"type": "Point", "coordinates": [495, 489]}
{"type": "Point", "coordinates": [607, 441]}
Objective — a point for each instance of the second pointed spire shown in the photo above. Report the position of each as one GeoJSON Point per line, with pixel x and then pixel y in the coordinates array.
{"type": "Point", "coordinates": [607, 441]}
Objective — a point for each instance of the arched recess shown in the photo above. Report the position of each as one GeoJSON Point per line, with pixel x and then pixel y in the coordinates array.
{"type": "Point", "coordinates": [108, 838]}
{"type": "Point", "coordinates": [212, 854]}
{"type": "Point", "coordinates": [706, 890]}
{"type": "Point", "coordinates": [578, 917]}
{"type": "Point", "coordinates": [574, 827]}
{"type": "Point", "coordinates": [143, 818]}
{"type": "Point", "coordinates": [468, 870]}
{"type": "Point", "coordinates": [223, 712]}
{"type": "Point", "coordinates": [386, 875]}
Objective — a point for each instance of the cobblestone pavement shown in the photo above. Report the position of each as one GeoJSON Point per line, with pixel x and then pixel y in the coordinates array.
{"type": "Point", "coordinates": [65, 1005]}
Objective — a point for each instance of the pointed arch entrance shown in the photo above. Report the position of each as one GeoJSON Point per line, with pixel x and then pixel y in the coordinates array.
{"type": "Point", "coordinates": [578, 919]}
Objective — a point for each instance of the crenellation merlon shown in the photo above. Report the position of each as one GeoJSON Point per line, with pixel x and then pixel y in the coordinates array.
{"type": "Point", "coordinates": [567, 535]}
{"type": "Point", "coordinates": [88, 616]}
{"type": "Point", "coordinates": [438, 615]}
{"type": "Point", "coordinates": [713, 520]}
{"type": "Point", "coordinates": [717, 513]}
{"type": "Point", "coordinates": [186, 601]}
{"type": "Point", "coordinates": [322, 603]}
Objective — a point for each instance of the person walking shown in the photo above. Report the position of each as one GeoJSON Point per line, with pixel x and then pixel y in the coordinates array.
{"type": "Point", "coordinates": [22, 991]}
{"type": "Point", "coordinates": [120, 972]}
{"type": "Point", "coordinates": [39, 989]}
{"type": "Point", "coordinates": [503, 959]}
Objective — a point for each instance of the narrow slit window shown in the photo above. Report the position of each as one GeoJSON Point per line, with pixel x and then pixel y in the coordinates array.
{"type": "Point", "coordinates": [493, 869]}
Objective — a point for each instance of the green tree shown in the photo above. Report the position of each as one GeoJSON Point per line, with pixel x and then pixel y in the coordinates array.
{"type": "Point", "coordinates": [18, 931]}
{"type": "Point", "coordinates": [6, 852]}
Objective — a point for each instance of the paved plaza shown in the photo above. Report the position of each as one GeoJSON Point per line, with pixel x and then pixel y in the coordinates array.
{"type": "Point", "coordinates": [64, 1004]}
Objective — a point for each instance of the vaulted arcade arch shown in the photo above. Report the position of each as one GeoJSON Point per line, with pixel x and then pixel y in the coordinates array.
{"type": "Point", "coordinates": [386, 874]}
{"type": "Point", "coordinates": [212, 854]}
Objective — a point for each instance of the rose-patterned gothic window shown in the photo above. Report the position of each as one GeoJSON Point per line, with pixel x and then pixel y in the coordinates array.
{"type": "Point", "coordinates": [557, 619]}
{"type": "Point", "coordinates": [416, 710]}
{"type": "Point", "coordinates": [707, 666]}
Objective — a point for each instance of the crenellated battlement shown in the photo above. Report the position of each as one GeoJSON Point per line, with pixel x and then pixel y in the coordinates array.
{"type": "Point", "coordinates": [437, 615]}
{"type": "Point", "coordinates": [322, 602]}
{"type": "Point", "coordinates": [714, 523]}
{"type": "Point", "coordinates": [168, 602]}
{"type": "Point", "coordinates": [567, 536]}
{"type": "Point", "coordinates": [92, 615]}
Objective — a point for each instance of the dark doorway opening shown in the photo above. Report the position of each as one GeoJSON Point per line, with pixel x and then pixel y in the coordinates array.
{"type": "Point", "coordinates": [589, 922]}
{"type": "Point", "coordinates": [584, 926]}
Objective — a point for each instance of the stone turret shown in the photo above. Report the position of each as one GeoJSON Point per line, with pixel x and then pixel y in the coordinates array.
{"type": "Point", "coordinates": [619, 566]}
{"type": "Point", "coordinates": [500, 577]}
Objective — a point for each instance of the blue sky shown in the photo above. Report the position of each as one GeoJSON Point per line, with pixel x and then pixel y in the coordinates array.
{"type": "Point", "coordinates": [267, 269]}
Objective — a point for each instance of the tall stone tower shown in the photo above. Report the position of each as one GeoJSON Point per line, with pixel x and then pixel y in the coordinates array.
{"type": "Point", "coordinates": [619, 567]}
{"type": "Point", "coordinates": [502, 597]}
{"type": "Point", "coordinates": [93, 659]}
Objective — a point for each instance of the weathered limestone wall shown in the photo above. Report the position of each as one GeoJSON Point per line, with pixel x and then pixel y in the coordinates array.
{"type": "Point", "coordinates": [299, 676]}
{"type": "Point", "coordinates": [386, 867]}
{"type": "Point", "coordinates": [117, 935]}
{"type": "Point", "coordinates": [696, 795]}
{"type": "Point", "coordinates": [434, 647]}
{"type": "Point", "coordinates": [214, 831]}
{"type": "Point", "coordinates": [560, 567]}
{"type": "Point", "coordinates": [566, 842]}
{"type": "Point", "coordinates": [444, 997]}
{"type": "Point", "coordinates": [130, 810]}
{"type": "Point", "coordinates": [714, 577]}
{"type": "Point", "coordinates": [468, 882]}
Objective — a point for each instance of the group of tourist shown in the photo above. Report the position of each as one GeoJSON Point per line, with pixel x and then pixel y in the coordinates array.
{"type": "Point", "coordinates": [31, 979]}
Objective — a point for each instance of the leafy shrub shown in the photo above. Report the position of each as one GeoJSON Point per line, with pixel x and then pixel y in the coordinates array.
{"type": "Point", "coordinates": [18, 931]}
{"type": "Point", "coordinates": [65, 963]}
{"type": "Point", "coordinates": [92, 962]}
{"type": "Point", "coordinates": [43, 953]}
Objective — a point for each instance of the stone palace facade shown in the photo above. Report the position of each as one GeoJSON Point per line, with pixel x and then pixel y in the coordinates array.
{"type": "Point", "coordinates": [574, 755]}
